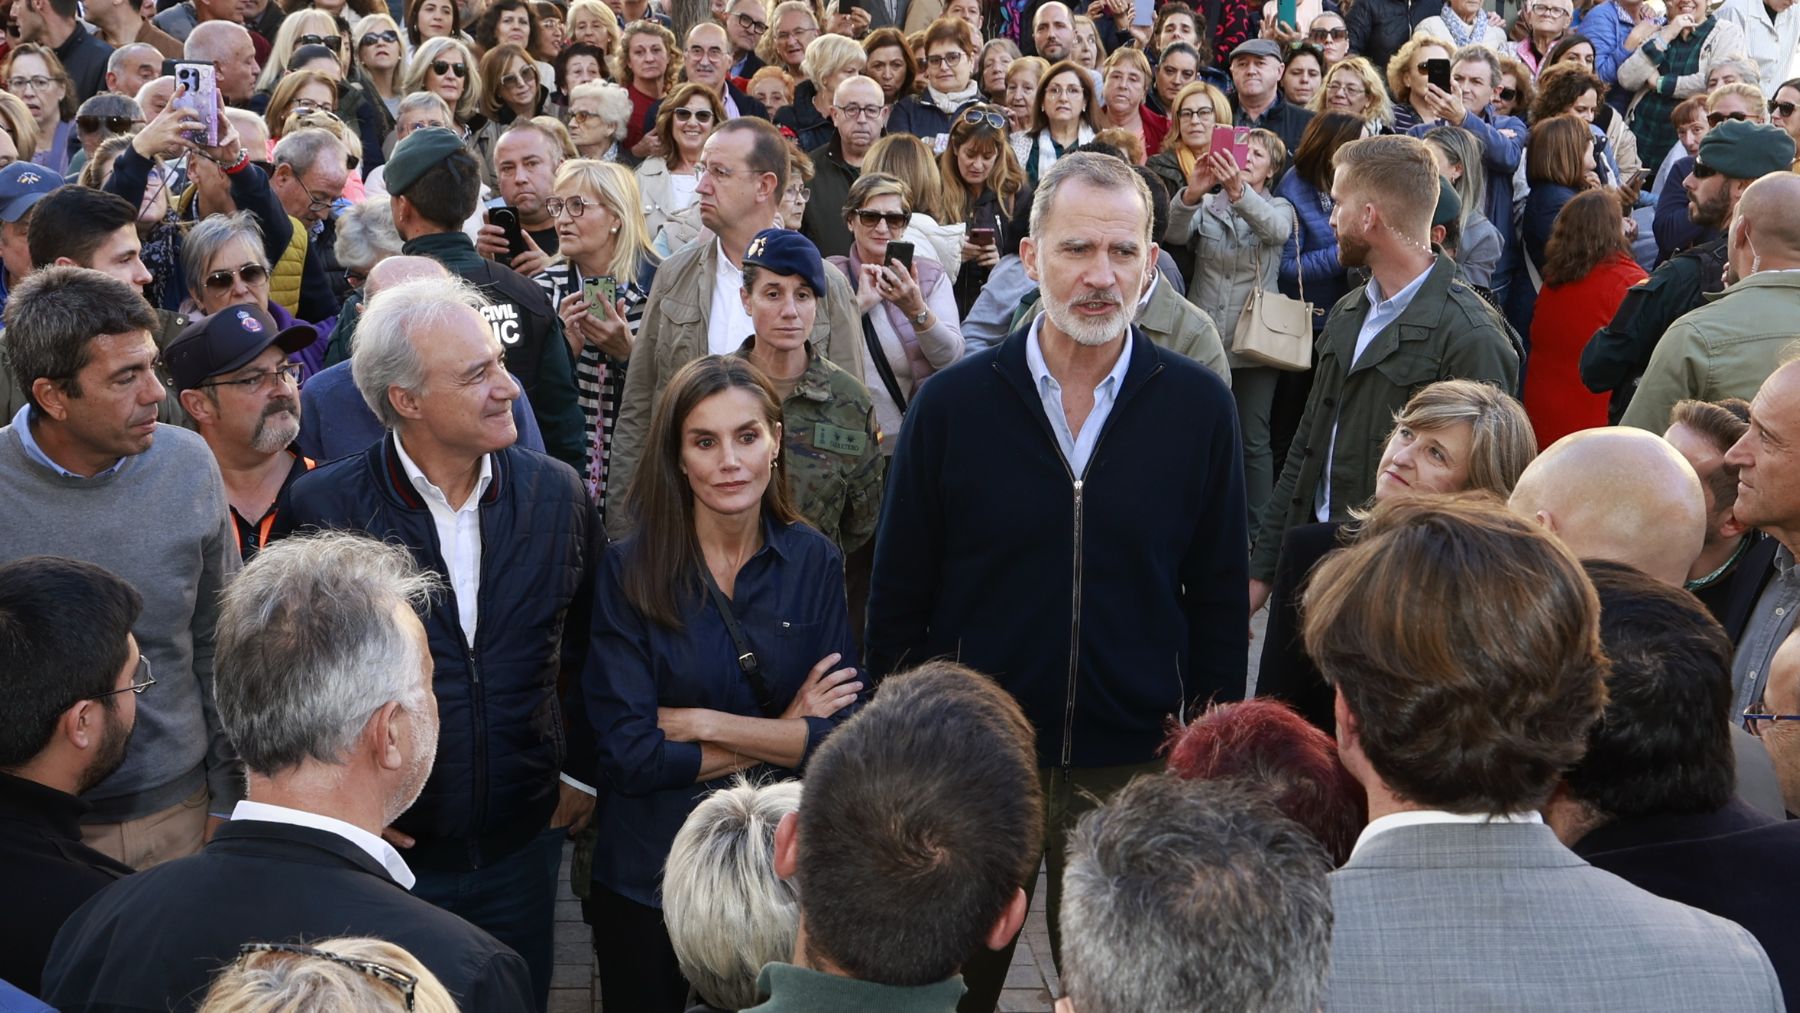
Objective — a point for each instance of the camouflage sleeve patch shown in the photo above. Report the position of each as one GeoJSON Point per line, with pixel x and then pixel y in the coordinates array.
{"type": "Point", "coordinates": [839, 440]}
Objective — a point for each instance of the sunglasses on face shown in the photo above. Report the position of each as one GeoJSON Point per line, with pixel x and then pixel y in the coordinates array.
{"type": "Point", "coordinates": [685, 115]}
{"type": "Point", "coordinates": [1508, 94]}
{"type": "Point", "coordinates": [442, 67]}
{"type": "Point", "coordinates": [1324, 35]}
{"type": "Point", "coordinates": [335, 43]}
{"type": "Point", "coordinates": [251, 274]}
{"type": "Point", "coordinates": [376, 37]}
{"type": "Point", "coordinates": [988, 115]}
{"type": "Point", "coordinates": [751, 25]}
{"type": "Point", "coordinates": [523, 76]}
{"type": "Point", "coordinates": [1714, 119]}
{"type": "Point", "coordinates": [1704, 171]}
{"type": "Point", "coordinates": [1781, 108]}
{"type": "Point", "coordinates": [111, 124]}
{"type": "Point", "coordinates": [895, 220]}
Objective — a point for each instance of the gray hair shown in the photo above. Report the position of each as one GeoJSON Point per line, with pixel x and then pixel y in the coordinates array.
{"type": "Point", "coordinates": [1105, 172]}
{"type": "Point", "coordinates": [615, 104]}
{"type": "Point", "coordinates": [727, 912]}
{"type": "Point", "coordinates": [285, 980]}
{"type": "Point", "coordinates": [116, 62]}
{"type": "Point", "coordinates": [308, 648]}
{"type": "Point", "coordinates": [1479, 54]}
{"type": "Point", "coordinates": [1748, 70]}
{"type": "Point", "coordinates": [425, 100]}
{"type": "Point", "coordinates": [385, 354]}
{"type": "Point", "coordinates": [1194, 895]}
{"type": "Point", "coordinates": [210, 235]}
{"type": "Point", "coordinates": [302, 149]}
{"type": "Point", "coordinates": [366, 234]}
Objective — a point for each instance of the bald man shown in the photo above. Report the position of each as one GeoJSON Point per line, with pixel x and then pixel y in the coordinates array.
{"type": "Point", "coordinates": [1618, 494]}
{"type": "Point", "coordinates": [1727, 347]}
{"type": "Point", "coordinates": [335, 421]}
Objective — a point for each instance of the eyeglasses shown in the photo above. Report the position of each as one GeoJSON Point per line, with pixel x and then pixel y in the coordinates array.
{"type": "Point", "coordinates": [985, 115]}
{"type": "Point", "coordinates": [1065, 91]}
{"type": "Point", "coordinates": [112, 124]}
{"type": "Point", "coordinates": [894, 220]}
{"type": "Point", "coordinates": [579, 116]}
{"type": "Point", "coordinates": [403, 982]}
{"type": "Point", "coordinates": [335, 43]}
{"type": "Point", "coordinates": [142, 680]}
{"type": "Point", "coordinates": [712, 169]}
{"type": "Point", "coordinates": [263, 382]}
{"type": "Point", "coordinates": [1550, 10]}
{"type": "Point", "coordinates": [442, 67]}
{"type": "Point", "coordinates": [1714, 119]}
{"type": "Point", "coordinates": [522, 76]}
{"type": "Point", "coordinates": [798, 194]}
{"type": "Point", "coordinates": [796, 35]}
{"type": "Point", "coordinates": [306, 105]}
{"type": "Point", "coordinates": [1752, 717]}
{"type": "Point", "coordinates": [857, 112]}
{"type": "Point", "coordinates": [251, 274]}
{"type": "Point", "coordinates": [1349, 88]}
{"type": "Point", "coordinates": [373, 37]}
{"type": "Point", "coordinates": [1201, 113]}
{"type": "Point", "coordinates": [1324, 35]}
{"type": "Point", "coordinates": [18, 84]}
{"type": "Point", "coordinates": [945, 60]}
{"type": "Point", "coordinates": [751, 25]}
{"type": "Point", "coordinates": [1508, 94]}
{"type": "Point", "coordinates": [576, 206]}
{"type": "Point", "coordinates": [1781, 108]}
{"type": "Point", "coordinates": [684, 115]}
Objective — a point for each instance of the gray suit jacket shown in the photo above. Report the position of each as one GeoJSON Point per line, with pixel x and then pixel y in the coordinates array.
{"type": "Point", "coordinates": [1503, 917]}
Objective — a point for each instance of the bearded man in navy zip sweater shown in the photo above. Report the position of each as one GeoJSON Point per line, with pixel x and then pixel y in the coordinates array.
{"type": "Point", "coordinates": [1065, 512]}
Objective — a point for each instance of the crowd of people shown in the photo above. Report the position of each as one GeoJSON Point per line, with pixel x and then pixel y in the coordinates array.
{"type": "Point", "coordinates": [819, 465]}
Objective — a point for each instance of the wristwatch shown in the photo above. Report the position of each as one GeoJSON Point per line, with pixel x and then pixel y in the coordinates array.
{"type": "Point", "coordinates": [923, 315]}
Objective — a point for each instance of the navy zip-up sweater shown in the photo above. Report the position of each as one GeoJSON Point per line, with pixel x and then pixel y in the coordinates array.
{"type": "Point", "coordinates": [989, 552]}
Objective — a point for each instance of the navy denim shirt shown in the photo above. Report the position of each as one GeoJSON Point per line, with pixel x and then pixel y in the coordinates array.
{"type": "Point", "coordinates": [789, 598]}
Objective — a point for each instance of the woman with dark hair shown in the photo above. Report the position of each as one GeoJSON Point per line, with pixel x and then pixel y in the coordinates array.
{"type": "Point", "coordinates": [1559, 163]}
{"type": "Point", "coordinates": [1267, 743]}
{"type": "Point", "coordinates": [1587, 268]}
{"type": "Point", "coordinates": [683, 123]}
{"type": "Point", "coordinates": [432, 19]}
{"type": "Point", "coordinates": [1573, 48]}
{"type": "Point", "coordinates": [505, 22]}
{"type": "Point", "coordinates": [1062, 118]}
{"type": "Point", "coordinates": [1452, 436]}
{"type": "Point", "coordinates": [950, 86]}
{"type": "Point", "coordinates": [1303, 74]}
{"type": "Point", "coordinates": [511, 89]}
{"type": "Point", "coordinates": [576, 65]}
{"type": "Point", "coordinates": [718, 628]}
{"type": "Point", "coordinates": [889, 63]}
{"type": "Point", "coordinates": [1312, 254]}
{"type": "Point", "coordinates": [1570, 87]}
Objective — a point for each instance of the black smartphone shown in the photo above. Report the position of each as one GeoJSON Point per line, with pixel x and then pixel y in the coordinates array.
{"type": "Point", "coordinates": [1438, 73]}
{"type": "Point", "coordinates": [508, 220]}
{"type": "Point", "coordinates": [900, 253]}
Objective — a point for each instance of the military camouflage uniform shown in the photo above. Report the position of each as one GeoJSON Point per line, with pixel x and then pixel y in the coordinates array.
{"type": "Point", "coordinates": [831, 451]}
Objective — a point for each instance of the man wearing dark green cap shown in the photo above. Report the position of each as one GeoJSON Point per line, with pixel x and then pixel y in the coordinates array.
{"type": "Point", "coordinates": [1729, 346]}
{"type": "Point", "coordinates": [434, 183]}
{"type": "Point", "coordinates": [1733, 155]}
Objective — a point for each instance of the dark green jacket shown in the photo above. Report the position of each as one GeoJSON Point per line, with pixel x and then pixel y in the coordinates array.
{"type": "Point", "coordinates": [831, 451]}
{"type": "Point", "coordinates": [1617, 355]}
{"type": "Point", "coordinates": [1447, 332]}
{"type": "Point", "coordinates": [794, 989]}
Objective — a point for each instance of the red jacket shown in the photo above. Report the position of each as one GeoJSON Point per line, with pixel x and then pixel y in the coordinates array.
{"type": "Point", "coordinates": [1565, 318]}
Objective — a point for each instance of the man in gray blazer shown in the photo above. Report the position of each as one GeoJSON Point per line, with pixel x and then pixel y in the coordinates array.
{"type": "Point", "coordinates": [1463, 643]}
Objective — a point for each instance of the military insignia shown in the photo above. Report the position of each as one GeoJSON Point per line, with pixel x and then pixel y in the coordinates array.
{"type": "Point", "coordinates": [756, 247]}
{"type": "Point", "coordinates": [249, 322]}
{"type": "Point", "coordinates": [29, 177]}
{"type": "Point", "coordinates": [839, 440]}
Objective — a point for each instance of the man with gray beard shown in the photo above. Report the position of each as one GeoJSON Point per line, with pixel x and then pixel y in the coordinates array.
{"type": "Point", "coordinates": [233, 375]}
{"type": "Point", "coordinates": [1065, 513]}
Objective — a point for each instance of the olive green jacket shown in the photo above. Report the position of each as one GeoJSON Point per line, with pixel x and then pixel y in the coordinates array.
{"type": "Point", "coordinates": [831, 447]}
{"type": "Point", "coordinates": [1726, 348]}
{"type": "Point", "coordinates": [1447, 332]}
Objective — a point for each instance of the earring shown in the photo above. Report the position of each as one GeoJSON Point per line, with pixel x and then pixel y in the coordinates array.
{"type": "Point", "coordinates": [615, 230]}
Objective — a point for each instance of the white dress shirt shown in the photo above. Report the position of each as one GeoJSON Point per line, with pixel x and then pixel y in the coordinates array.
{"type": "Point", "coordinates": [729, 323]}
{"type": "Point", "coordinates": [1424, 817]}
{"type": "Point", "coordinates": [378, 849]}
{"type": "Point", "coordinates": [1382, 312]}
{"type": "Point", "coordinates": [459, 535]}
{"type": "Point", "coordinates": [1077, 448]}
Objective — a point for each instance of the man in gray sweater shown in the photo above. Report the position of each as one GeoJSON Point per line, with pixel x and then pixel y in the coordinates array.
{"type": "Point", "coordinates": [87, 472]}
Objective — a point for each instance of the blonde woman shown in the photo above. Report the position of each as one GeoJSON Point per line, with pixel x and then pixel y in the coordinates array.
{"type": "Point", "coordinates": [351, 973]}
{"type": "Point", "coordinates": [1355, 87]}
{"type": "Point", "coordinates": [446, 68]}
{"type": "Point", "coordinates": [1407, 80]}
{"type": "Point", "coordinates": [600, 233]}
{"type": "Point", "coordinates": [1198, 108]}
{"type": "Point", "coordinates": [381, 53]}
{"type": "Point", "coordinates": [309, 27]}
{"type": "Point", "coordinates": [592, 23]}
{"type": "Point", "coordinates": [829, 59]}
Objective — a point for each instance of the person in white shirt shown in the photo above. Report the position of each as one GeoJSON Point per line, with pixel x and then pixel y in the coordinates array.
{"type": "Point", "coordinates": [1771, 34]}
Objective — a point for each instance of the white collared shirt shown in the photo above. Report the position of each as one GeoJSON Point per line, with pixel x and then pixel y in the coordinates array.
{"type": "Point", "coordinates": [1426, 817]}
{"type": "Point", "coordinates": [378, 849]}
{"type": "Point", "coordinates": [1382, 312]}
{"type": "Point", "coordinates": [1077, 448]}
{"type": "Point", "coordinates": [729, 323]}
{"type": "Point", "coordinates": [459, 534]}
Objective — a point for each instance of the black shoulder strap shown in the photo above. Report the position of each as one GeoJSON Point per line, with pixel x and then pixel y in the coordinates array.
{"type": "Point", "coordinates": [748, 662]}
{"type": "Point", "coordinates": [883, 368]}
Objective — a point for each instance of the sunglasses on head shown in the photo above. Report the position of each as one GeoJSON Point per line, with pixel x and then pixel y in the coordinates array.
{"type": "Point", "coordinates": [112, 124]}
{"type": "Point", "coordinates": [988, 115]}
{"type": "Point", "coordinates": [1781, 108]}
{"type": "Point", "coordinates": [1714, 119]}
{"type": "Point", "coordinates": [252, 274]}
{"type": "Point", "coordinates": [442, 67]}
{"type": "Point", "coordinates": [334, 43]}
{"type": "Point", "coordinates": [374, 37]}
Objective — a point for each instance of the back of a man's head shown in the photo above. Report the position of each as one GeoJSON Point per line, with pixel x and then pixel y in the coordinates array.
{"type": "Point", "coordinates": [1194, 895]}
{"type": "Point", "coordinates": [1464, 644]}
{"type": "Point", "coordinates": [922, 820]}
{"type": "Point", "coordinates": [1620, 494]}
{"type": "Point", "coordinates": [447, 193]}
{"type": "Point", "coordinates": [1663, 744]}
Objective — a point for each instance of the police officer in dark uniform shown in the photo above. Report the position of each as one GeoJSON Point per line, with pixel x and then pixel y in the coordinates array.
{"type": "Point", "coordinates": [1733, 155]}
{"type": "Point", "coordinates": [435, 183]}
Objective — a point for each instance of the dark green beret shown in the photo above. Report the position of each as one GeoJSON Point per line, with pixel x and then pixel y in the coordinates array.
{"type": "Point", "coordinates": [415, 156]}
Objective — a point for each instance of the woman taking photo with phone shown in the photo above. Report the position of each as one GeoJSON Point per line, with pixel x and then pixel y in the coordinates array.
{"type": "Point", "coordinates": [984, 187]}
{"type": "Point", "coordinates": [907, 307]}
{"type": "Point", "coordinates": [602, 247]}
{"type": "Point", "coordinates": [720, 628]}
